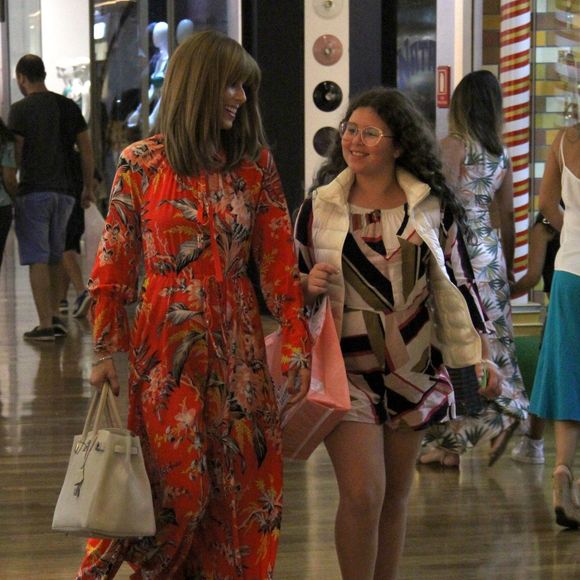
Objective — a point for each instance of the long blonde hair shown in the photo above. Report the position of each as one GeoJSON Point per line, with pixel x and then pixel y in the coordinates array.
{"type": "Point", "coordinates": [476, 110]}
{"type": "Point", "coordinates": [192, 105]}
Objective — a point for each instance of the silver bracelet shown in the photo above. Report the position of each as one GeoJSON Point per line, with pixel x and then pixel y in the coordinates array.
{"type": "Point", "coordinates": [102, 359]}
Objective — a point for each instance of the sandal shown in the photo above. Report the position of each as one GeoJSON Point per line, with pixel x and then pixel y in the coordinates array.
{"type": "Point", "coordinates": [566, 509]}
{"type": "Point", "coordinates": [440, 457]}
{"type": "Point", "coordinates": [500, 443]}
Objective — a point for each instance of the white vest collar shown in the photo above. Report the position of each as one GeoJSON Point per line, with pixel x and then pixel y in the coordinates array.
{"type": "Point", "coordinates": [337, 191]}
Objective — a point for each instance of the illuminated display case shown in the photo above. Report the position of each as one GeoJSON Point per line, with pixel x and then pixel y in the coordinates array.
{"type": "Point", "coordinates": [556, 75]}
{"type": "Point", "coordinates": [131, 45]}
{"type": "Point", "coordinates": [24, 24]}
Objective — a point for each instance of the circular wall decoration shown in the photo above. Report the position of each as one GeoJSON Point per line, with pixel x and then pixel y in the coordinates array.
{"type": "Point", "coordinates": [327, 8]}
{"type": "Point", "coordinates": [323, 140]}
{"type": "Point", "coordinates": [327, 96]}
{"type": "Point", "coordinates": [327, 49]}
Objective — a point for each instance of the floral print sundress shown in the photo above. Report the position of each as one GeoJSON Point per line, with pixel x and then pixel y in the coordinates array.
{"type": "Point", "coordinates": [480, 177]}
{"type": "Point", "coordinates": [200, 395]}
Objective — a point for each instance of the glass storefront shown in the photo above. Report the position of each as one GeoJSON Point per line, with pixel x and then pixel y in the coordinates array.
{"type": "Point", "coordinates": [42, 27]}
{"type": "Point", "coordinates": [25, 37]}
{"type": "Point", "coordinates": [112, 61]}
{"type": "Point", "coordinates": [416, 50]}
{"type": "Point", "coordinates": [132, 42]}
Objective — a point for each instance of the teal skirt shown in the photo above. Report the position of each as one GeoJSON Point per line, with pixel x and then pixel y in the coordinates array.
{"type": "Point", "coordinates": [556, 391]}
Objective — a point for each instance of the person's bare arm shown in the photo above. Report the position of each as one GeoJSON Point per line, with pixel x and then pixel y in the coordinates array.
{"type": "Point", "coordinates": [452, 151]}
{"type": "Point", "coordinates": [88, 167]}
{"type": "Point", "coordinates": [551, 186]}
{"type": "Point", "coordinates": [538, 245]}
{"type": "Point", "coordinates": [505, 205]}
{"type": "Point", "coordinates": [104, 370]}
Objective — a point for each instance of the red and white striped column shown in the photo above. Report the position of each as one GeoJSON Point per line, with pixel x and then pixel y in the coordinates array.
{"type": "Point", "coordinates": [515, 79]}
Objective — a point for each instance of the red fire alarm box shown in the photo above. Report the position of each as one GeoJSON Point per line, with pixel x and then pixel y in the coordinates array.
{"type": "Point", "coordinates": [443, 86]}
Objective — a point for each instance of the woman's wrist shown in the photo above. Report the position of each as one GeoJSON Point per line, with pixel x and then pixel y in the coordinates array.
{"type": "Point", "coordinates": [101, 359]}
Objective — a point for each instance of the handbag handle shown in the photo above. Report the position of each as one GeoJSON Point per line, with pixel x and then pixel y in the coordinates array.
{"type": "Point", "coordinates": [90, 415]}
{"type": "Point", "coordinates": [93, 420]}
{"type": "Point", "coordinates": [113, 409]}
{"type": "Point", "coordinates": [101, 398]}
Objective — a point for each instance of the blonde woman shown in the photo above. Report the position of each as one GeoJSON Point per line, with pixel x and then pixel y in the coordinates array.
{"type": "Point", "coordinates": [195, 202]}
{"type": "Point", "coordinates": [477, 167]}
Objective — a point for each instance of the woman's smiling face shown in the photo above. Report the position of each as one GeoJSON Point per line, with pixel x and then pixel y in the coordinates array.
{"type": "Point", "coordinates": [234, 98]}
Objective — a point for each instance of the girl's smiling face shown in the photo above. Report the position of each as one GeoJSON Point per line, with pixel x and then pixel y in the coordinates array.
{"type": "Point", "coordinates": [367, 159]}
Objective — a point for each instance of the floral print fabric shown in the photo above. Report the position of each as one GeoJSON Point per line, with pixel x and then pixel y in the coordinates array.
{"type": "Point", "coordinates": [480, 177]}
{"type": "Point", "coordinates": [200, 396]}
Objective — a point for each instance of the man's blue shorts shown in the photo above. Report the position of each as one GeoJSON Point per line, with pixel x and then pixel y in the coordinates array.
{"type": "Point", "coordinates": [40, 220]}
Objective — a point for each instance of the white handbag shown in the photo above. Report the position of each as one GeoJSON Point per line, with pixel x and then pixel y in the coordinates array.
{"type": "Point", "coordinates": [106, 491]}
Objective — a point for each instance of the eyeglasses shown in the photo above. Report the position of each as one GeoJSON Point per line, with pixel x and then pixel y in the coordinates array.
{"type": "Point", "coordinates": [370, 136]}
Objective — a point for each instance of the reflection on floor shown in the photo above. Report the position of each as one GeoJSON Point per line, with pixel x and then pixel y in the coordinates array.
{"type": "Point", "coordinates": [476, 523]}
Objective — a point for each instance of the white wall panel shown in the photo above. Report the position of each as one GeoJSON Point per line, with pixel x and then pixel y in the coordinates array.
{"type": "Point", "coordinates": [315, 73]}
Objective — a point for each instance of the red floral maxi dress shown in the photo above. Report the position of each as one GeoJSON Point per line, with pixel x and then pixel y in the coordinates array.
{"type": "Point", "coordinates": [200, 396]}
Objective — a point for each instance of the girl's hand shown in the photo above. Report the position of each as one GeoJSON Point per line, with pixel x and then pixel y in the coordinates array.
{"type": "Point", "coordinates": [318, 279]}
{"type": "Point", "coordinates": [490, 378]}
{"type": "Point", "coordinates": [104, 370]}
{"type": "Point", "coordinates": [298, 384]}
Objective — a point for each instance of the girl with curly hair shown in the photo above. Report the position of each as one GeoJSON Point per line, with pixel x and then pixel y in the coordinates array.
{"type": "Point", "coordinates": [381, 236]}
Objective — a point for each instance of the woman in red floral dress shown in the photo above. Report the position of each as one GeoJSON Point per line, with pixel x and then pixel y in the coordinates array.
{"type": "Point", "coordinates": [189, 207]}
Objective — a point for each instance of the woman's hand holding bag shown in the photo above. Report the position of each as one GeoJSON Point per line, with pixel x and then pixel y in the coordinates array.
{"type": "Point", "coordinates": [106, 491]}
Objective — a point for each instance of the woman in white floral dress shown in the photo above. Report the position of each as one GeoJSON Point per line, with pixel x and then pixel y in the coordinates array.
{"type": "Point", "coordinates": [478, 168]}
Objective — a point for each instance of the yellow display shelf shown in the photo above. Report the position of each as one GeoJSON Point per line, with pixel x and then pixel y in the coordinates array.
{"type": "Point", "coordinates": [527, 319]}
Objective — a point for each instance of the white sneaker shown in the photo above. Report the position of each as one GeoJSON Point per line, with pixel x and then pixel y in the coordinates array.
{"type": "Point", "coordinates": [529, 450]}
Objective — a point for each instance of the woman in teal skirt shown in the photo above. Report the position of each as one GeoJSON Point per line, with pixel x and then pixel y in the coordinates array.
{"type": "Point", "coordinates": [556, 392]}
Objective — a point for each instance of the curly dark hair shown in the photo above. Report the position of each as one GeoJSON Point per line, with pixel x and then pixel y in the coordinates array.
{"type": "Point", "coordinates": [412, 134]}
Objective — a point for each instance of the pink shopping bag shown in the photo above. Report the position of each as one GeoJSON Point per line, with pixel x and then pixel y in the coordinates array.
{"type": "Point", "coordinates": [306, 424]}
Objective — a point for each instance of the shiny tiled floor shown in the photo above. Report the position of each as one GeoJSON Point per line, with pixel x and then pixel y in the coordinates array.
{"type": "Point", "coordinates": [477, 523]}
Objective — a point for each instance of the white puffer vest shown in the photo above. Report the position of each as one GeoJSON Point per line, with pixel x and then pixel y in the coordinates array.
{"type": "Point", "coordinates": [454, 332]}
